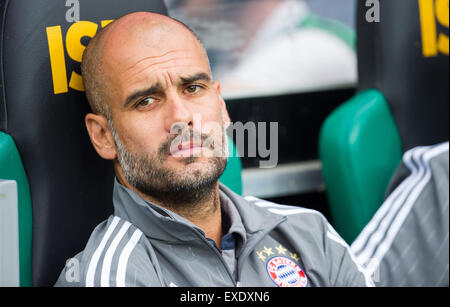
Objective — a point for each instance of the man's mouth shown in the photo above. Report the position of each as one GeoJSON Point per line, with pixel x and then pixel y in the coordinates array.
{"type": "Point", "coordinates": [187, 149]}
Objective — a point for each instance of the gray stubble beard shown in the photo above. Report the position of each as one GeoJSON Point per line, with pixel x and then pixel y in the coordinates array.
{"type": "Point", "coordinates": [147, 175]}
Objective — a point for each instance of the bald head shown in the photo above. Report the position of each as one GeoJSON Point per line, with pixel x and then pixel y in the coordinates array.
{"type": "Point", "coordinates": [103, 51]}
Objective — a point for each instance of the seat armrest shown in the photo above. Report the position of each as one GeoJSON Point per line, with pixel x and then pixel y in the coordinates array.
{"type": "Point", "coordinates": [11, 169]}
{"type": "Point", "coordinates": [9, 234]}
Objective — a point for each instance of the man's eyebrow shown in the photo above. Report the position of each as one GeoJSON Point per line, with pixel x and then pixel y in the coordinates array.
{"type": "Point", "coordinates": [142, 93]}
{"type": "Point", "coordinates": [197, 77]}
{"type": "Point", "coordinates": [158, 88]}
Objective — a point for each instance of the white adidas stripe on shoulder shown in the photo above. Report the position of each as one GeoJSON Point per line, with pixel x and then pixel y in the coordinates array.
{"type": "Point", "coordinates": [107, 259]}
{"type": "Point", "coordinates": [124, 256]}
{"type": "Point", "coordinates": [96, 256]}
{"type": "Point", "coordinates": [387, 227]}
{"type": "Point", "coordinates": [110, 252]}
{"type": "Point", "coordinates": [252, 198]}
{"type": "Point", "coordinates": [393, 230]}
{"type": "Point", "coordinates": [267, 204]}
{"type": "Point", "coordinates": [283, 209]}
{"type": "Point", "coordinates": [292, 211]}
{"type": "Point", "coordinates": [389, 205]}
{"type": "Point", "coordinates": [382, 223]}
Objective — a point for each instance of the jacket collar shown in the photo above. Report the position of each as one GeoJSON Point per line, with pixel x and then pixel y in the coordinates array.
{"type": "Point", "coordinates": [162, 224]}
{"type": "Point", "coordinates": [254, 218]}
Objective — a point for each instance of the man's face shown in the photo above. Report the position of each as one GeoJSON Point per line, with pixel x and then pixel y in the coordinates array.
{"type": "Point", "coordinates": [163, 103]}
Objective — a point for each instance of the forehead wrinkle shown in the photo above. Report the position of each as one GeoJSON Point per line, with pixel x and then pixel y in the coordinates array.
{"type": "Point", "coordinates": [151, 58]}
{"type": "Point", "coordinates": [151, 67]}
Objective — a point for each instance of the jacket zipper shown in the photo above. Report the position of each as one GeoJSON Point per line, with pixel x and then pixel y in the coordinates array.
{"type": "Point", "coordinates": [203, 238]}
{"type": "Point", "coordinates": [243, 256]}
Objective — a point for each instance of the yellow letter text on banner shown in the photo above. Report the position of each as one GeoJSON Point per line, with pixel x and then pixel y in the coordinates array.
{"type": "Point", "coordinates": [57, 61]}
{"type": "Point", "coordinates": [75, 49]}
{"type": "Point", "coordinates": [442, 15]}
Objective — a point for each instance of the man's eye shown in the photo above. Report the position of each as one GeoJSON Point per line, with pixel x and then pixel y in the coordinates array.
{"type": "Point", "coordinates": [145, 102]}
{"type": "Point", "coordinates": [192, 89]}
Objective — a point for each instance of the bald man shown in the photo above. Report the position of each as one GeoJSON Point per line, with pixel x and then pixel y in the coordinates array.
{"type": "Point", "coordinates": [159, 116]}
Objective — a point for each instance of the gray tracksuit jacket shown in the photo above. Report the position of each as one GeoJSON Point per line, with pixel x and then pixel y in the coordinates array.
{"type": "Point", "coordinates": [406, 242]}
{"type": "Point", "coordinates": [267, 245]}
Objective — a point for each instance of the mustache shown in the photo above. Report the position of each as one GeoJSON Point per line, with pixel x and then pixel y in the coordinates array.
{"type": "Point", "coordinates": [186, 135]}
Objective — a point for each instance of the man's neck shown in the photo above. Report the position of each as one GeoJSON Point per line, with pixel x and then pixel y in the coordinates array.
{"type": "Point", "coordinates": [209, 221]}
{"type": "Point", "coordinates": [205, 213]}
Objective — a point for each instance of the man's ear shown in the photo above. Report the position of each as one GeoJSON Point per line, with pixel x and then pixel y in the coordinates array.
{"type": "Point", "coordinates": [101, 137]}
{"type": "Point", "coordinates": [222, 104]}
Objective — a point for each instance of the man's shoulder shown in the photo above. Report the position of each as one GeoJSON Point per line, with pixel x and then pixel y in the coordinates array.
{"type": "Point", "coordinates": [307, 226]}
{"type": "Point", "coordinates": [294, 214]}
{"type": "Point", "coordinates": [299, 221]}
{"type": "Point", "coordinates": [317, 242]}
{"type": "Point", "coordinates": [110, 253]}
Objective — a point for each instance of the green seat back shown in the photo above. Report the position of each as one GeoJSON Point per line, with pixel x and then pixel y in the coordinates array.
{"type": "Point", "coordinates": [11, 169]}
{"type": "Point", "coordinates": [232, 176]}
{"type": "Point", "coordinates": [360, 148]}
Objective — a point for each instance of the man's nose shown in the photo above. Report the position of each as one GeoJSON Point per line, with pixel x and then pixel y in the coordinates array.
{"type": "Point", "coordinates": [177, 111]}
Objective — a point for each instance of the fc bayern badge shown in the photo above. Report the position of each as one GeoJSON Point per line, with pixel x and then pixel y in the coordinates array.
{"type": "Point", "coordinates": [286, 273]}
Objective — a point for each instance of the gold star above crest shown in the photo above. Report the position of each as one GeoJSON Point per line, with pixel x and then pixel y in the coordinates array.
{"type": "Point", "coordinates": [261, 256]}
{"type": "Point", "coordinates": [281, 250]}
{"type": "Point", "coordinates": [294, 256]}
{"type": "Point", "coordinates": [268, 251]}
